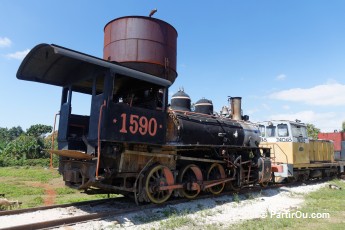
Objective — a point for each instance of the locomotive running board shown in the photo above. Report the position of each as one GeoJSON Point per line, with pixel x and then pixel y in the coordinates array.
{"type": "Point", "coordinates": [72, 154]}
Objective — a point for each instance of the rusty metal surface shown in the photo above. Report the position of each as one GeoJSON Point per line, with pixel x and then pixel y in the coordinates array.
{"type": "Point", "coordinates": [72, 154]}
{"type": "Point", "coordinates": [236, 108]}
{"type": "Point", "coordinates": [143, 43]}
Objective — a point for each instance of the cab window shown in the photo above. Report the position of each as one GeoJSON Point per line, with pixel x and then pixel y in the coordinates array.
{"type": "Point", "coordinates": [262, 130]}
{"type": "Point", "coordinates": [140, 93]}
{"type": "Point", "coordinates": [283, 130]}
{"type": "Point", "coordinates": [271, 131]}
{"type": "Point", "coordinates": [299, 131]}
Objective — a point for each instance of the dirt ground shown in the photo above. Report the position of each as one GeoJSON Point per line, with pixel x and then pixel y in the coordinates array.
{"type": "Point", "coordinates": [49, 189]}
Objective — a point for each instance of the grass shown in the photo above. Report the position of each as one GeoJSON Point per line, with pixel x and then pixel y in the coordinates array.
{"type": "Point", "coordinates": [28, 173]}
{"type": "Point", "coordinates": [207, 212]}
{"type": "Point", "coordinates": [17, 190]}
{"type": "Point", "coordinates": [175, 221]}
{"type": "Point", "coordinates": [167, 218]}
{"type": "Point", "coordinates": [77, 196]}
{"type": "Point", "coordinates": [322, 202]}
{"type": "Point", "coordinates": [28, 185]}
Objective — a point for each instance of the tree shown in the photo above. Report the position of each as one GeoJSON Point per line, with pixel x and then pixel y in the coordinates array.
{"type": "Point", "coordinates": [38, 130]}
{"type": "Point", "coordinates": [15, 132]}
{"type": "Point", "coordinates": [48, 141]}
{"type": "Point", "coordinates": [8, 135]}
{"type": "Point", "coordinates": [3, 137]}
{"type": "Point", "coordinates": [24, 147]}
{"type": "Point", "coordinates": [343, 126]}
{"type": "Point", "coordinates": [16, 146]}
{"type": "Point", "coordinates": [312, 131]}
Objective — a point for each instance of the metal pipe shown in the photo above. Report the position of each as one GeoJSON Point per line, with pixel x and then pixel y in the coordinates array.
{"type": "Point", "coordinates": [51, 154]}
{"type": "Point", "coordinates": [99, 136]}
{"type": "Point", "coordinates": [236, 108]}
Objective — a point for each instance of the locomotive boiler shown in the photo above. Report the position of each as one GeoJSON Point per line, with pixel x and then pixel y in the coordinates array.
{"type": "Point", "coordinates": [132, 141]}
{"type": "Point", "coordinates": [203, 127]}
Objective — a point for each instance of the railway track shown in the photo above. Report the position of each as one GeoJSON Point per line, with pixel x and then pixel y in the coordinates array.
{"type": "Point", "coordinates": [102, 209]}
{"type": "Point", "coordinates": [90, 210]}
{"type": "Point", "coordinates": [41, 208]}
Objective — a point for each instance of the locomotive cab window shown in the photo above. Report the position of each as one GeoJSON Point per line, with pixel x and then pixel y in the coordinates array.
{"type": "Point", "coordinates": [283, 130]}
{"type": "Point", "coordinates": [137, 93]}
{"type": "Point", "coordinates": [262, 130]}
{"type": "Point", "coordinates": [299, 131]}
{"type": "Point", "coordinates": [271, 131]}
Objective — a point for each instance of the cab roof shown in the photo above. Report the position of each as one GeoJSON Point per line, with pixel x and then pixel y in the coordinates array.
{"type": "Point", "coordinates": [282, 121]}
{"type": "Point", "coordinates": [56, 65]}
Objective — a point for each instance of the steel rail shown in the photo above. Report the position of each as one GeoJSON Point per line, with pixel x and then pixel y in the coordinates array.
{"type": "Point", "coordinates": [25, 210]}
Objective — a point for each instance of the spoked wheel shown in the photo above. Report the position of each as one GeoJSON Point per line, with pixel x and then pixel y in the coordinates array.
{"type": "Point", "coordinates": [156, 177]}
{"type": "Point", "coordinates": [188, 175]}
{"type": "Point", "coordinates": [216, 172]}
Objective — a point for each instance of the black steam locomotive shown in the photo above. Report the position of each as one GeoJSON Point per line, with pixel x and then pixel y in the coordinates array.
{"type": "Point", "coordinates": [133, 142]}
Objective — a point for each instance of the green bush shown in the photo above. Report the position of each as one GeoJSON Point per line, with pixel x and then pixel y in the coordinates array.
{"type": "Point", "coordinates": [25, 147]}
{"type": "Point", "coordinates": [19, 148]}
{"type": "Point", "coordinates": [43, 162]}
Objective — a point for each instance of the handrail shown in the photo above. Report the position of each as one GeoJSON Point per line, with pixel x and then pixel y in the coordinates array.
{"type": "Point", "coordinates": [275, 144]}
{"type": "Point", "coordinates": [51, 154]}
{"type": "Point", "coordinates": [99, 137]}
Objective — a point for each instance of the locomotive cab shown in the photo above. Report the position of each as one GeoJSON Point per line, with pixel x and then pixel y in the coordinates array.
{"type": "Point", "coordinates": [141, 105]}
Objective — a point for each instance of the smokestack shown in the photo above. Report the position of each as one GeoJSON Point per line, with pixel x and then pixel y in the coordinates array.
{"type": "Point", "coordinates": [236, 108]}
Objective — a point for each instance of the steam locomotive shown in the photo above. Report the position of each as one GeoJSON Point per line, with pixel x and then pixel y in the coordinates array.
{"type": "Point", "coordinates": [133, 142]}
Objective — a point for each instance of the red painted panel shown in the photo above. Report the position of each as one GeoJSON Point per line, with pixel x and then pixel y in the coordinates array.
{"type": "Point", "coordinates": [337, 138]}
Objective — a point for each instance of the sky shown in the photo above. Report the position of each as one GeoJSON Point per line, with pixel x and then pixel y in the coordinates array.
{"type": "Point", "coordinates": [286, 59]}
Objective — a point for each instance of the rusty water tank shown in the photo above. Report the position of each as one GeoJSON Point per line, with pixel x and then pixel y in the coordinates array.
{"type": "Point", "coordinates": [142, 43]}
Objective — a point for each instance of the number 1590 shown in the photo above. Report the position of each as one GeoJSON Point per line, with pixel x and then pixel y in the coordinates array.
{"type": "Point", "coordinates": [140, 124]}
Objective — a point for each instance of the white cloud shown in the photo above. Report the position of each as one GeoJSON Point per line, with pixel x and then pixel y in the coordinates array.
{"type": "Point", "coordinates": [307, 116]}
{"type": "Point", "coordinates": [281, 77]}
{"type": "Point", "coordinates": [327, 94]}
{"type": "Point", "coordinates": [286, 107]}
{"type": "Point", "coordinates": [19, 55]}
{"type": "Point", "coordinates": [5, 42]}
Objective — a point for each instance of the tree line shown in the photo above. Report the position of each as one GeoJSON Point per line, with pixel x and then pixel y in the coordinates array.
{"type": "Point", "coordinates": [19, 147]}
